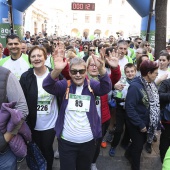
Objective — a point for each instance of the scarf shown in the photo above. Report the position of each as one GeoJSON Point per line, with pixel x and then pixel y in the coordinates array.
{"type": "Point", "coordinates": [91, 77]}
{"type": "Point", "coordinates": [154, 105]}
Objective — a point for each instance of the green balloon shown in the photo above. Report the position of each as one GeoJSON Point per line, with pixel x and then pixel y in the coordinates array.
{"type": "Point", "coordinates": [91, 37]}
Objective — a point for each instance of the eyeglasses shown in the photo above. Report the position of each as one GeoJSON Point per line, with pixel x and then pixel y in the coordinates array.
{"type": "Point", "coordinates": [147, 45]}
{"type": "Point", "coordinates": [92, 50]}
{"type": "Point", "coordinates": [92, 65]}
{"type": "Point", "coordinates": [74, 72]}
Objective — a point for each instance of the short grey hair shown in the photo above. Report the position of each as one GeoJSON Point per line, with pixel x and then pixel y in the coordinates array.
{"type": "Point", "coordinates": [77, 61]}
{"type": "Point", "coordinates": [122, 42]}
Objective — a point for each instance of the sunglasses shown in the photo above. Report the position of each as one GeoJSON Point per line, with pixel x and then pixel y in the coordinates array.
{"type": "Point", "coordinates": [147, 45]}
{"type": "Point", "coordinates": [74, 72]}
{"type": "Point", "coordinates": [92, 50]}
{"type": "Point", "coordinates": [85, 47]}
{"type": "Point", "coordinates": [139, 42]}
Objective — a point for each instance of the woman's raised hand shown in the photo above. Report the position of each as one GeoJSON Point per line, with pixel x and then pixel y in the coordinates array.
{"type": "Point", "coordinates": [100, 64]}
{"type": "Point", "coordinates": [113, 60]}
{"type": "Point", "coordinates": [59, 61]}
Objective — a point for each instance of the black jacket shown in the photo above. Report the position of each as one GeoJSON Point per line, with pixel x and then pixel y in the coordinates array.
{"type": "Point", "coordinates": [164, 93]}
{"type": "Point", "coordinates": [28, 83]}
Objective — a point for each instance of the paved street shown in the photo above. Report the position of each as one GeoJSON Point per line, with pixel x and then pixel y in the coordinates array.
{"type": "Point", "coordinates": [119, 162]}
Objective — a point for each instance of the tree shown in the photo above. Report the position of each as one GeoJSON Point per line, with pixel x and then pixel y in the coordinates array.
{"type": "Point", "coordinates": [161, 25]}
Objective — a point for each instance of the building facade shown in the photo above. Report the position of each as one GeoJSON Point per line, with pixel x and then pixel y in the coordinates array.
{"type": "Point", "coordinates": [109, 17]}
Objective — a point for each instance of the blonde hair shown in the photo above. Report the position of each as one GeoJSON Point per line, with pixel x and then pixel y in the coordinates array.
{"type": "Point", "coordinates": [89, 60]}
{"type": "Point", "coordinates": [71, 54]}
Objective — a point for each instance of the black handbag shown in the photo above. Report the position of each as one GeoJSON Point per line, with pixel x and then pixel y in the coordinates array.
{"type": "Point", "coordinates": [35, 160]}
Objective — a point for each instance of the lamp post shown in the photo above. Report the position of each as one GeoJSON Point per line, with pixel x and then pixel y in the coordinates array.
{"type": "Point", "coordinates": [45, 22]}
{"type": "Point", "coordinates": [11, 16]}
{"type": "Point", "coordinates": [55, 29]}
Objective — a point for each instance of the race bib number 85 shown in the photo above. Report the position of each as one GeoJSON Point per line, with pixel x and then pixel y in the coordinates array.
{"type": "Point", "coordinates": [79, 102]}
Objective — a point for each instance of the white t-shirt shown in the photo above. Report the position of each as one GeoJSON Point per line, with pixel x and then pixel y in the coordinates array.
{"type": "Point", "coordinates": [129, 52]}
{"type": "Point", "coordinates": [122, 63]}
{"type": "Point", "coordinates": [76, 124]}
{"type": "Point", "coordinates": [17, 67]}
{"type": "Point", "coordinates": [161, 73]}
{"type": "Point", "coordinates": [48, 61]}
{"type": "Point", "coordinates": [85, 39]}
{"type": "Point", "coordinates": [47, 109]}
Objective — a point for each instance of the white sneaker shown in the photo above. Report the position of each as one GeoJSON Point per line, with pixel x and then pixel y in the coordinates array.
{"type": "Point", "coordinates": [93, 166]}
{"type": "Point", "coordinates": [56, 154]}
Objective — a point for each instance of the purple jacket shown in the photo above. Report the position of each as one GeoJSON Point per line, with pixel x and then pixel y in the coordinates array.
{"type": "Point", "coordinates": [9, 118]}
{"type": "Point", "coordinates": [58, 88]}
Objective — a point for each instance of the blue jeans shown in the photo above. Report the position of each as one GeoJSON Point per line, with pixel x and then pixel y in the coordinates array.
{"type": "Point", "coordinates": [8, 160]}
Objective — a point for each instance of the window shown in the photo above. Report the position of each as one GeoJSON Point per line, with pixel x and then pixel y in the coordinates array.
{"type": "Point", "coordinates": [98, 19]}
{"type": "Point", "coordinates": [109, 19]}
{"type": "Point", "coordinates": [87, 19]}
{"type": "Point", "coordinates": [110, 2]}
{"type": "Point", "coordinates": [74, 17]}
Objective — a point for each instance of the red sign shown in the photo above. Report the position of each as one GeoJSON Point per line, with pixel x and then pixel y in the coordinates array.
{"type": "Point", "coordinates": [83, 6]}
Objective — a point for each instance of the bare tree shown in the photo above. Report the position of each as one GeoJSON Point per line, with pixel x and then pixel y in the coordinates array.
{"type": "Point", "coordinates": [161, 25]}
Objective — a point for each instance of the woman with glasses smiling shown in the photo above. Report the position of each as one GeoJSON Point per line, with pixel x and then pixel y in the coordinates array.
{"type": "Point", "coordinates": [102, 101]}
{"type": "Point", "coordinates": [78, 125]}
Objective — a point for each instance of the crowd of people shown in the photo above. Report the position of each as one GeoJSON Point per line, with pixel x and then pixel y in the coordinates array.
{"type": "Point", "coordinates": [86, 93]}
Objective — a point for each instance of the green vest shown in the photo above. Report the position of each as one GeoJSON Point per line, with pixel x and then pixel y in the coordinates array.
{"type": "Point", "coordinates": [24, 56]}
{"type": "Point", "coordinates": [132, 53]}
{"type": "Point", "coordinates": [129, 59]}
{"type": "Point", "coordinates": [166, 162]}
{"type": "Point", "coordinates": [150, 56]}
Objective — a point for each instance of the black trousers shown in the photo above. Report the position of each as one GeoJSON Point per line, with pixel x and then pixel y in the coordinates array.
{"type": "Point", "coordinates": [105, 126]}
{"type": "Point", "coordinates": [135, 149]}
{"type": "Point", "coordinates": [44, 140]}
{"type": "Point", "coordinates": [77, 156]}
{"type": "Point", "coordinates": [120, 123]}
{"type": "Point", "coordinates": [164, 140]}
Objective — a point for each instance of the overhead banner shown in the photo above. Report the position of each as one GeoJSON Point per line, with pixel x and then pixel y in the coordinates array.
{"type": "Point", "coordinates": [5, 30]}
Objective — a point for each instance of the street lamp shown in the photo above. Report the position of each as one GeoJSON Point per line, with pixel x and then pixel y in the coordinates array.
{"type": "Point", "coordinates": [11, 16]}
{"type": "Point", "coordinates": [45, 22]}
{"type": "Point", "coordinates": [55, 28]}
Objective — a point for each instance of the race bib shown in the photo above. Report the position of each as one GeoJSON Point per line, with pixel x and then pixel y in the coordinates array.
{"type": "Point", "coordinates": [79, 102]}
{"type": "Point", "coordinates": [43, 107]}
